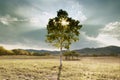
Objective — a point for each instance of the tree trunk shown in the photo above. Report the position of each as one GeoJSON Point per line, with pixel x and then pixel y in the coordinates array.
{"type": "Point", "coordinates": [72, 57]}
{"type": "Point", "coordinates": [65, 57]}
{"type": "Point", "coordinates": [60, 67]}
{"type": "Point", "coordinates": [61, 56]}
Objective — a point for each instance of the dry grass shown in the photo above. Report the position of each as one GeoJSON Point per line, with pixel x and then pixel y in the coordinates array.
{"type": "Point", "coordinates": [87, 68]}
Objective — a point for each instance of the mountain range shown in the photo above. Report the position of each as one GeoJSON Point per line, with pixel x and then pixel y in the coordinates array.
{"type": "Point", "coordinates": [114, 50]}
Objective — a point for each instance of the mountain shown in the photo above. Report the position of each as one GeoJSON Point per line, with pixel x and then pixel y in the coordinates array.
{"type": "Point", "coordinates": [109, 50]}
{"type": "Point", "coordinates": [42, 51]}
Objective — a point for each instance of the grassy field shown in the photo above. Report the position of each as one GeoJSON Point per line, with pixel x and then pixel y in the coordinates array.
{"type": "Point", "coordinates": [87, 68]}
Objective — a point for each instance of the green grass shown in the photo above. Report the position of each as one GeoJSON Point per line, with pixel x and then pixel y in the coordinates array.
{"type": "Point", "coordinates": [87, 68]}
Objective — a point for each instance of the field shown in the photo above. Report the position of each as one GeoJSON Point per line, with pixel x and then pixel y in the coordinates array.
{"type": "Point", "coordinates": [87, 68]}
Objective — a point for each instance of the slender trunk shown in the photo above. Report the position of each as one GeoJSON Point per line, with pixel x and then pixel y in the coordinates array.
{"type": "Point", "coordinates": [60, 67]}
{"type": "Point", "coordinates": [61, 56]}
{"type": "Point", "coordinates": [66, 58]}
{"type": "Point", "coordinates": [72, 57]}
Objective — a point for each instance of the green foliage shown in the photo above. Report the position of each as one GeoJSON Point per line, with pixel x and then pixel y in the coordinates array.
{"type": "Point", "coordinates": [20, 52]}
{"type": "Point", "coordinates": [41, 54]}
{"type": "Point", "coordinates": [3, 51]}
{"type": "Point", "coordinates": [63, 30]}
{"type": "Point", "coordinates": [71, 55]}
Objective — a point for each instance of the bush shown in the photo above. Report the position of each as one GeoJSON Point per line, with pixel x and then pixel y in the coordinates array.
{"type": "Point", "coordinates": [71, 55]}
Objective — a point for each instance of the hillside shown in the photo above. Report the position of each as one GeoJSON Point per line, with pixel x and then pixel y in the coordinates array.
{"type": "Point", "coordinates": [109, 50]}
{"type": "Point", "coordinates": [42, 51]}
{"type": "Point", "coordinates": [103, 50]}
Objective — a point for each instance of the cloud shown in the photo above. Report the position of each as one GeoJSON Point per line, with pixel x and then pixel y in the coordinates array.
{"type": "Point", "coordinates": [109, 35]}
{"type": "Point", "coordinates": [27, 18]}
{"type": "Point", "coordinates": [39, 12]}
{"type": "Point", "coordinates": [7, 20]}
{"type": "Point", "coordinates": [36, 20]}
{"type": "Point", "coordinates": [75, 10]}
{"type": "Point", "coordinates": [40, 20]}
{"type": "Point", "coordinates": [15, 46]}
{"type": "Point", "coordinates": [34, 39]}
{"type": "Point", "coordinates": [112, 29]}
{"type": "Point", "coordinates": [28, 44]}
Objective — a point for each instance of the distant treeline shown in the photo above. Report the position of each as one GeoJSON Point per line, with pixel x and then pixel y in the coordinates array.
{"type": "Point", "coordinates": [4, 51]}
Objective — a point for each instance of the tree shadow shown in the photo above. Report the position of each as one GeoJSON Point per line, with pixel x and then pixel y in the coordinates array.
{"type": "Point", "coordinates": [59, 72]}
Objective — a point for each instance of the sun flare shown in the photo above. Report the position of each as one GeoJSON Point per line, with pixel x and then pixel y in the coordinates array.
{"type": "Point", "coordinates": [64, 22]}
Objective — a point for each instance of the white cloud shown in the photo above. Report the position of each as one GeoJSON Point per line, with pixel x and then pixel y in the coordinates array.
{"type": "Point", "coordinates": [40, 20]}
{"type": "Point", "coordinates": [109, 35]}
{"type": "Point", "coordinates": [34, 21]}
{"type": "Point", "coordinates": [81, 16]}
{"type": "Point", "coordinates": [40, 12]}
{"type": "Point", "coordinates": [37, 16]}
{"type": "Point", "coordinates": [75, 10]}
{"type": "Point", "coordinates": [112, 29]}
{"type": "Point", "coordinates": [7, 20]}
{"type": "Point", "coordinates": [15, 46]}
{"type": "Point", "coordinates": [24, 46]}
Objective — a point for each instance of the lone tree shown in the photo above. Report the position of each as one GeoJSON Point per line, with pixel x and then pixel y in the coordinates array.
{"type": "Point", "coordinates": [62, 31]}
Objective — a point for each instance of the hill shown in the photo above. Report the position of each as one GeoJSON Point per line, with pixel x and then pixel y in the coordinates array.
{"type": "Point", "coordinates": [42, 51]}
{"type": "Point", "coordinates": [109, 50]}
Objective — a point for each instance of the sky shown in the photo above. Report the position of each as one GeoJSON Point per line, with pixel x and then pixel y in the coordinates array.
{"type": "Point", "coordinates": [23, 22]}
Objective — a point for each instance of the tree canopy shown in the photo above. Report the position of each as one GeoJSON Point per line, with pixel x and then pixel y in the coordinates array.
{"type": "Point", "coordinates": [63, 30]}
